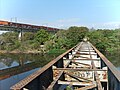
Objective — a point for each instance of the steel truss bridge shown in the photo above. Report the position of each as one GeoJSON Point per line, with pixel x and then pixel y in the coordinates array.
{"type": "Point", "coordinates": [82, 67]}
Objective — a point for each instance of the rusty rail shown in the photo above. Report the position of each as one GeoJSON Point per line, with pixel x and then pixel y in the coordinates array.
{"type": "Point", "coordinates": [99, 85]}
{"type": "Point", "coordinates": [33, 76]}
{"type": "Point", "coordinates": [44, 76]}
{"type": "Point", "coordinates": [51, 86]}
{"type": "Point", "coordinates": [113, 73]}
{"type": "Point", "coordinates": [108, 64]}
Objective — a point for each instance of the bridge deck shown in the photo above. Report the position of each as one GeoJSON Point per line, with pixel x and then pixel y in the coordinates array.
{"type": "Point", "coordinates": [81, 68]}
{"type": "Point", "coordinates": [23, 29]}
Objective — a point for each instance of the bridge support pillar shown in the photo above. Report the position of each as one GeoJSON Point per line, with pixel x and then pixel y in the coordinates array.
{"type": "Point", "coordinates": [20, 35]}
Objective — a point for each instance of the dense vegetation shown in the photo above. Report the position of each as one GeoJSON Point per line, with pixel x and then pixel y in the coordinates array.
{"type": "Point", "coordinates": [104, 40]}
{"type": "Point", "coordinates": [108, 42]}
{"type": "Point", "coordinates": [61, 41]}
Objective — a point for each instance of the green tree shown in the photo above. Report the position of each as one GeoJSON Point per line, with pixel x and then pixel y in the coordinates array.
{"type": "Point", "coordinates": [98, 39]}
{"type": "Point", "coordinates": [42, 36]}
{"type": "Point", "coordinates": [10, 37]}
{"type": "Point", "coordinates": [66, 39]}
{"type": "Point", "coordinates": [28, 36]}
{"type": "Point", "coordinates": [76, 34]}
{"type": "Point", "coordinates": [105, 40]}
{"type": "Point", "coordinates": [10, 41]}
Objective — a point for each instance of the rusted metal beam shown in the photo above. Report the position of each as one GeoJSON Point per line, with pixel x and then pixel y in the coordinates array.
{"type": "Point", "coordinates": [86, 51]}
{"type": "Point", "coordinates": [77, 54]}
{"type": "Point", "coordinates": [112, 68]}
{"type": "Point", "coordinates": [50, 87]}
{"type": "Point", "coordinates": [80, 79]}
{"type": "Point", "coordinates": [31, 77]}
{"type": "Point", "coordinates": [75, 83]}
{"type": "Point", "coordinates": [87, 87]}
{"type": "Point", "coordinates": [99, 86]}
{"type": "Point", "coordinates": [89, 59]}
{"type": "Point", "coordinates": [97, 78]}
{"type": "Point", "coordinates": [55, 81]}
{"type": "Point", "coordinates": [81, 63]}
{"type": "Point", "coordinates": [78, 69]}
{"type": "Point", "coordinates": [65, 69]}
{"type": "Point", "coordinates": [82, 56]}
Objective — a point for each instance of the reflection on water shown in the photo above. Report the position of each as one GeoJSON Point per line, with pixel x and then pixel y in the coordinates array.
{"type": "Point", "coordinates": [12, 60]}
{"type": "Point", "coordinates": [7, 83]}
{"type": "Point", "coordinates": [14, 67]}
{"type": "Point", "coordinates": [118, 68]}
{"type": "Point", "coordinates": [18, 66]}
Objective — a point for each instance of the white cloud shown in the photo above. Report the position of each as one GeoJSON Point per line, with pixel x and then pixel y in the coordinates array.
{"type": "Point", "coordinates": [112, 24]}
{"type": "Point", "coordinates": [64, 23]}
{"type": "Point", "coordinates": [106, 25]}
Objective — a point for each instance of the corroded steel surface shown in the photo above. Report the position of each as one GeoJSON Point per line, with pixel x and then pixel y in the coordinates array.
{"type": "Point", "coordinates": [31, 77]}
{"type": "Point", "coordinates": [109, 64]}
{"type": "Point", "coordinates": [79, 68]}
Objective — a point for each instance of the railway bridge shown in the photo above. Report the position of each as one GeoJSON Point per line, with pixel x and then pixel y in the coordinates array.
{"type": "Point", "coordinates": [21, 27]}
{"type": "Point", "coordinates": [82, 67]}
{"type": "Point", "coordinates": [25, 29]}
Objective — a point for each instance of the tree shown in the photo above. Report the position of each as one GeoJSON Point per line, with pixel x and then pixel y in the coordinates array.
{"type": "Point", "coordinates": [76, 34]}
{"type": "Point", "coordinates": [97, 38]}
{"type": "Point", "coordinates": [28, 36]}
{"type": "Point", "coordinates": [42, 36]}
{"type": "Point", "coordinates": [10, 37]}
{"type": "Point", "coordinates": [105, 40]}
{"type": "Point", "coordinates": [10, 41]}
{"type": "Point", "coordinates": [66, 39]}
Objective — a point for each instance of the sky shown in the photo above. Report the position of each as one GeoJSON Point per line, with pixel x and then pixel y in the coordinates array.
{"type": "Point", "coordinates": [63, 13]}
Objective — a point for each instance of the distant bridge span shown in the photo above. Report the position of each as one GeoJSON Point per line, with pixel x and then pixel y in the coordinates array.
{"type": "Point", "coordinates": [21, 29]}
{"type": "Point", "coordinates": [12, 26]}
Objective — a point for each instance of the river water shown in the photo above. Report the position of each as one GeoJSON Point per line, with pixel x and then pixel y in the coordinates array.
{"type": "Point", "coordinates": [15, 67]}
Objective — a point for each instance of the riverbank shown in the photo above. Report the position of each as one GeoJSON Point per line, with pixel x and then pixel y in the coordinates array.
{"type": "Point", "coordinates": [53, 51]}
{"type": "Point", "coordinates": [18, 51]}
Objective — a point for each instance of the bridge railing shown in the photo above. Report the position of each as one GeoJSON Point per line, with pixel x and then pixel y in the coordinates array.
{"type": "Point", "coordinates": [113, 73]}
{"type": "Point", "coordinates": [42, 79]}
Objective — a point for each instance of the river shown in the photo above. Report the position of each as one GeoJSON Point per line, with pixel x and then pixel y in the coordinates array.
{"type": "Point", "coordinates": [15, 67]}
